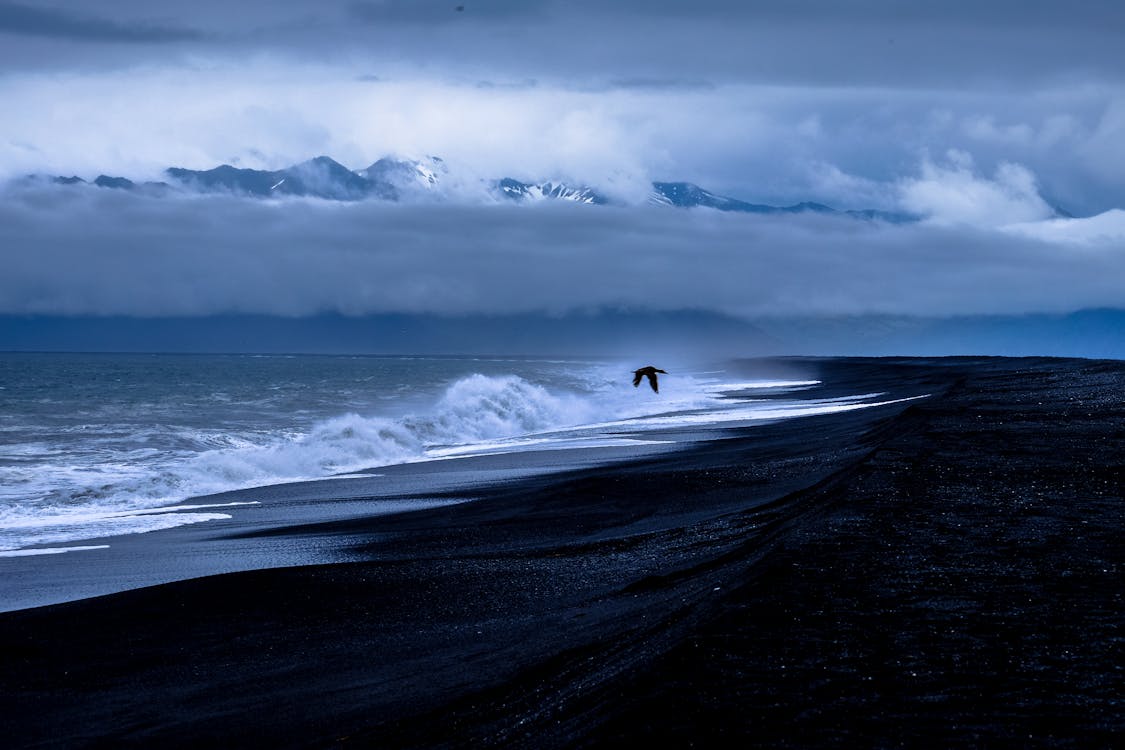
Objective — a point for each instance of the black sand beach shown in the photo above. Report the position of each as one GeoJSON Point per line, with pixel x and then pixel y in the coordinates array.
{"type": "Point", "coordinates": [940, 572]}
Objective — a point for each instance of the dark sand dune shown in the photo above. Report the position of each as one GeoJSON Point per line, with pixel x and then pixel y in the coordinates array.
{"type": "Point", "coordinates": [940, 572]}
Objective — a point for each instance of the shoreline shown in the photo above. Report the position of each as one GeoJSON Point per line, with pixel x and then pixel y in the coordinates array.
{"type": "Point", "coordinates": [944, 570]}
{"type": "Point", "coordinates": [97, 565]}
{"type": "Point", "coordinates": [224, 545]}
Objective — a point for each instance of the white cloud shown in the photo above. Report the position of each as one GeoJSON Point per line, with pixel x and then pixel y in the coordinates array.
{"type": "Point", "coordinates": [759, 143]}
{"type": "Point", "coordinates": [269, 115]}
{"type": "Point", "coordinates": [985, 128]}
{"type": "Point", "coordinates": [1104, 149]}
{"type": "Point", "coordinates": [850, 191]}
{"type": "Point", "coordinates": [1107, 228]}
{"type": "Point", "coordinates": [955, 193]}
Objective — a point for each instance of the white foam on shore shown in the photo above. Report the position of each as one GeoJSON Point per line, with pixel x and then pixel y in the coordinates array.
{"type": "Point", "coordinates": [344, 476]}
{"type": "Point", "coordinates": [557, 441]}
{"type": "Point", "coordinates": [50, 550]}
{"type": "Point", "coordinates": [81, 516]}
{"type": "Point", "coordinates": [762, 410]}
{"type": "Point", "coordinates": [94, 526]}
{"type": "Point", "coordinates": [762, 385]}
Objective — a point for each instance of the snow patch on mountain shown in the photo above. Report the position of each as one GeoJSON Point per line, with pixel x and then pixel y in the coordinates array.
{"type": "Point", "coordinates": [550, 190]}
{"type": "Point", "coordinates": [407, 177]}
{"type": "Point", "coordinates": [430, 179]}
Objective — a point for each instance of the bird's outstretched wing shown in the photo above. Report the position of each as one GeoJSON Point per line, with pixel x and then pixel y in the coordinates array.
{"type": "Point", "coordinates": [647, 372]}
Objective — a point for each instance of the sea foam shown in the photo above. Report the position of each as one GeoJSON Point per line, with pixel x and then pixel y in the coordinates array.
{"type": "Point", "coordinates": [127, 490]}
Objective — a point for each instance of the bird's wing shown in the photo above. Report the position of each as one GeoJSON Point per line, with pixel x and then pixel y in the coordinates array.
{"type": "Point", "coordinates": [652, 382]}
{"type": "Point", "coordinates": [637, 378]}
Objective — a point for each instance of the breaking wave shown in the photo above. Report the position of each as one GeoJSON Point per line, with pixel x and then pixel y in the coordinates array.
{"type": "Point", "coordinates": [472, 409]}
{"type": "Point", "coordinates": [49, 495]}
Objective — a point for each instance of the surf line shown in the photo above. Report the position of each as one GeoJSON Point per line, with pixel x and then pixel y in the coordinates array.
{"type": "Point", "coordinates": [49, 550]}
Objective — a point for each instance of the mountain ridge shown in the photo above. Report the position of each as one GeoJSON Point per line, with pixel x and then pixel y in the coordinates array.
{"type": "Point", "coordinates": [396, 179]}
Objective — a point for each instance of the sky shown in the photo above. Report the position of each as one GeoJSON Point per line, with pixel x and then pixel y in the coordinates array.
{"type": "Point", "coordinates": [985, 119]}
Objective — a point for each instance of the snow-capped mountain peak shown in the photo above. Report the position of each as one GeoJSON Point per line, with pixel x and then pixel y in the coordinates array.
{"type": "Point", "coordinates": [550, 190]}
{"type": "Point", "coordinates": [407, 175]}
{"type": "Point", "coordinates": [427, 180]}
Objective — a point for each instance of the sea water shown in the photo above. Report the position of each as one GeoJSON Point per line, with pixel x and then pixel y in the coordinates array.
{"type": "Point", "coordinates": [97, 444]}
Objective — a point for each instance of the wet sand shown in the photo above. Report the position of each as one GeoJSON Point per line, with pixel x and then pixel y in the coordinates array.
{"type": "Point", "coordinates": [939, 572]}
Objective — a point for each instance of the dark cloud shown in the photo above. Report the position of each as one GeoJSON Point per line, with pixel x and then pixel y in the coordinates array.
{"type": "Point", "coordinates": [56, 23]}
{"type": "Point", "coordinates": [809, 42]}
{"type": "Point", "coordinates": [582, 42]}
{"type": "Point", "coordinates": [982, 117]}
{"type": "Point", "coordinates": [93, 252]}
{"type": "Point", "coordinates": [430, 12]}
{"type": "Point", "coordinates": [660, 84]}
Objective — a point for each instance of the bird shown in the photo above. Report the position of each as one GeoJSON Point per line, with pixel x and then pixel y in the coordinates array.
{"type": "Point", "coordinates": [647, 372]}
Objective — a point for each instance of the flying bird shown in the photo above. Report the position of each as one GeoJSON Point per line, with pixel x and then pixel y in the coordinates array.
{"type": "Point", "coordinates": [647, 372]}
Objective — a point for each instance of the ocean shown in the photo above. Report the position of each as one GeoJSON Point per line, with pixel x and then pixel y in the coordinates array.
{"type": "Point", "coordinates": [95, 445]}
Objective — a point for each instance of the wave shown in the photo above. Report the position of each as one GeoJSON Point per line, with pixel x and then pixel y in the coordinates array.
{"type": "Point", "coordinates": [479, 408]}
{"type": "Point", "coordinates": [48, 501]}
{"type": "Point", "coordinates": [476, 413]}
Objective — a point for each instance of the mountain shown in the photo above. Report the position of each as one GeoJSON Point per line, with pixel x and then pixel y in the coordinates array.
{"type": "Point", "coordinates": [406, 180]}
{"type": "Point", "coordinates": [687, 195]}
{"type": "Point", "coordinates": [1085, 333]}
{"type": "Point", "coordinates": [404, 177]}
{"type": "Point", "coordinates": [321, 177]}
{"type": "Point", "coordinates": [102, 181]}
{"type": "Point", "coordinates": [118, 183]}
{"type": "Point", "coordinates": [522, 191]}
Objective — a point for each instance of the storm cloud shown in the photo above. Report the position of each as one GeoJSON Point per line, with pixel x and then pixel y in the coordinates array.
{"type": "Point", "coordinates": [101, 252]}
{"type": "Point", "coordinates": [800, 42]}
{"type": "Point", "coordinates": [986, 120]}
{"type": "Point", "coordinates": [850, 149]}
{"type": "Point", "coordinates": [20, 19]}
{"type": "Point", "coordinates": [768, 102]}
